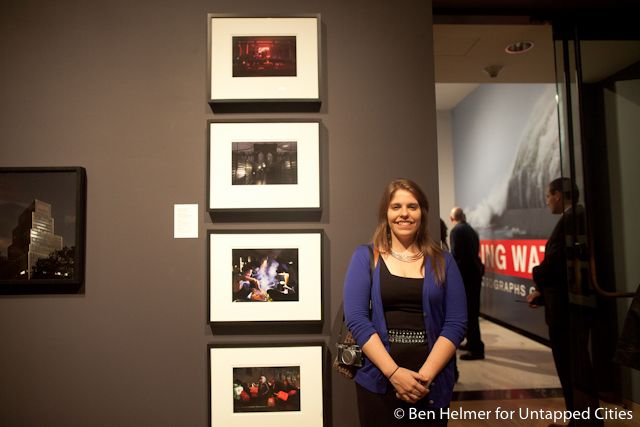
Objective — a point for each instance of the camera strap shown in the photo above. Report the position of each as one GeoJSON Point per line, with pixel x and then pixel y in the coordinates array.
{"type": "Point", "coordinates": [373, 258]}
{"type": "Point", "coordinates": [345, 338]}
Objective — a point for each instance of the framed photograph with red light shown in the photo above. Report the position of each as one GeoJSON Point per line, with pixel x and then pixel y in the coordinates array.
{"type": "Point", "coordinates": [266, 385]}
{"type": "Point", "coordinates": [264, 59]}
{"type": "Point", "coordinates": [263, 166]}
{"type": "Point", "coordinates": [265, 276]}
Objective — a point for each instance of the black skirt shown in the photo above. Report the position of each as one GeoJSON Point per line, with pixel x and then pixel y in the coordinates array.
{"type": "Point", "coordinates": [383, 410]}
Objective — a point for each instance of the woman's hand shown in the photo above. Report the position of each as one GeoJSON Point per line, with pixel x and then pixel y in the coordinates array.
{"type": "Point", "coordinates": [408, 385]}
{"type": "Point", "coordinates": [426, 377]}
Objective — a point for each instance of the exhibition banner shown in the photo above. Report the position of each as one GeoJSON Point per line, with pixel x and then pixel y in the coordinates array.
{"type": "Point", "coordinates": [506, 151]}
{"type": "Point", "coordinates": [512, 257]}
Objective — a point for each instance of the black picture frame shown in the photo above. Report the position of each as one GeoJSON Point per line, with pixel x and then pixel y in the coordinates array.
{"type": "Point", "coordinates": [312, 355]}
{"type": "Point", "coordinates": [227, 315]}
{"type": "Point", "coordinates": [56, 198]}
{"type": "Point", "coordinates": [299, 93]}
{"type": "Point", "coordinates": [301, 201]}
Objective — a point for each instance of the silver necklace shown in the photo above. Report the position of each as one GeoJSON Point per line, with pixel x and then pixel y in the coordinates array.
{"type": "Point", "coordinates": [406, 258]}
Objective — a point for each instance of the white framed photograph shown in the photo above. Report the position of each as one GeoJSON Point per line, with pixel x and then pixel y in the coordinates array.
{"type": "Point", "coordinates": [266, 385]}
{"type": "Point", "coordinates": [265, 276]}
{"type": "Point", "coordinates": [258, 59]}
{"type": "Point", "coordinates": [263, 166]}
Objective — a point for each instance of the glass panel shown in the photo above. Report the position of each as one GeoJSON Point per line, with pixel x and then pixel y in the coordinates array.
{"type": "Point", "coordinates": [569, 304]}
{"type": "Point", "coordinates": [599, 111]}
{"type": "Point", "coordinates": [611, 94]}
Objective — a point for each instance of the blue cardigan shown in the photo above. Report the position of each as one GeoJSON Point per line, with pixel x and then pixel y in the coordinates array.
{"type": "Point", "coordinates": [444, 311]}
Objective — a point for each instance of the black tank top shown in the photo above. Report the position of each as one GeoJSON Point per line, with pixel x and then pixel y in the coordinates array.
{"type": "Point", "coordinates": [402, 300]}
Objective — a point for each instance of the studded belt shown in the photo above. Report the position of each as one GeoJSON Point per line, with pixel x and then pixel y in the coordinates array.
{"type": "Point", "coordinates": [407, 336]}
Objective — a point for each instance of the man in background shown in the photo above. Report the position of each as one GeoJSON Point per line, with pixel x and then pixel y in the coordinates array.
{"type": "Point", "coordinates": [569, 324]}
{"type": "Point", "coordinates": [465, 248]}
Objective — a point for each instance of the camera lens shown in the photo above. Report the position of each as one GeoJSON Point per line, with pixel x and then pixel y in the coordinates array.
{"type": "Point", "coordinates": [348, 357]}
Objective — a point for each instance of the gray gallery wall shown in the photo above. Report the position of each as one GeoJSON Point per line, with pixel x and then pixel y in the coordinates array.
{"type": "Point", "coordinates": [120, 89]}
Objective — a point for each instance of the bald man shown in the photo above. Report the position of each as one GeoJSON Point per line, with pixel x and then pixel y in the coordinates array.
{"type": "Point", "coordinates": [465, 247]}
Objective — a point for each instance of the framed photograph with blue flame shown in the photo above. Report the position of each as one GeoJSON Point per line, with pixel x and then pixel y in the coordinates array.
{"type": "Point", "coordinates": [264, 166]}
{"type": "Point", "coordinates": [264, 59]}
{"type": "Point", "coordinates": [42, 229]}
{"type": "Point", "coordinates": [265, 276]}
{"type": "Point", "coordinates": [267, 384]}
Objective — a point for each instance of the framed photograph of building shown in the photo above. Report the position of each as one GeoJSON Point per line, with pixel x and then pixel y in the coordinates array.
{"type": "Point", "coordinates": [42, 229]}
{"type": "Point", "coordinates": [264, 59]}
{"type": "Point", "coordinates": [269, 385]}
{"type": "Point", "coordinates": [265, 276]}
{"type": "Point", "coordinates": [263, 166]}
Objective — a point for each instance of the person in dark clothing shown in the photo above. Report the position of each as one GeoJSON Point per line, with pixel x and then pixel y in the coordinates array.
{"type": "Point", "coordinates": [465, 247]}
{"type": "Point", "coordinates": [569, 324]}
{"type": "Point", "coordinates": [264, 391]}
{"type": "Point", "coordinates": [443, 235]}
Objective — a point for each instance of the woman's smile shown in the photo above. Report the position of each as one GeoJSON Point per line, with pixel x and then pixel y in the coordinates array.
{"type": "Point", "coordinates": [405, 223]}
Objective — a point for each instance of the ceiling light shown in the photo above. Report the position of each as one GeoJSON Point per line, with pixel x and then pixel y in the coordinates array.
{"type": "Point", "coordinates": [519, 47]}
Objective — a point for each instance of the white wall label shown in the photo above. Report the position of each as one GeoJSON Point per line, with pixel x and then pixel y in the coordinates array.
{"type": "Point", "coordinates": [185, 221]}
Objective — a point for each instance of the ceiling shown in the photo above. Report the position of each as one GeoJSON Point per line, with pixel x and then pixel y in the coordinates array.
{"type": "Point", "coordinates": [462, 52]}
{"type": "Point", "coordinates": [527, 6]}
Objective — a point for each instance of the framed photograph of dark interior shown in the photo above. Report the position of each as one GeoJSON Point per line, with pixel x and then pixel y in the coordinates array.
{"type": "Point", "coordinates": [268, 385]}
{"type": "Point", "coordinates": [265, 276]}
{"type": "Point", "coordinates": [264, 166]}
{"type": "Point", "coordinates": [264, 59]}
{"type": "Point", "coordinates": [42, 229]}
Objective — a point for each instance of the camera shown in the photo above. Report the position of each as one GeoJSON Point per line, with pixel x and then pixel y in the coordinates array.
{"type": "Point", "coordinates": [350, 355]}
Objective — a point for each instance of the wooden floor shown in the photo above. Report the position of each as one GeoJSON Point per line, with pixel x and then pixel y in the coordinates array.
{"type": "Point", "coordinates": [512, 362]}
{"type": "Point", "coordinates": [518, 377]}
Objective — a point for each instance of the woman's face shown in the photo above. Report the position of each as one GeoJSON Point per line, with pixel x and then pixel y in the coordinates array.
{"type": "Point", "coordinates": [404, 215]}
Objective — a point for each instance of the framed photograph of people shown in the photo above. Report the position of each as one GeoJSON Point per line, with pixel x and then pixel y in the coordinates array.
{"type": "Point", "coordinates": [264, 275]}
{"type": "Point", "coordinates": [269, 385]}
{"type": "Point", "coordinates": [42, 229]}
{"type": "Point", "coordinates": [264, 59]}
{"type": "Point", "coordinates": [264, 166]}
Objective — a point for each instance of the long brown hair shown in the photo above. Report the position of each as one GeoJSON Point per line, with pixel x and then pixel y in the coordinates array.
{"type": "Point", "coordinates": [382, 235]}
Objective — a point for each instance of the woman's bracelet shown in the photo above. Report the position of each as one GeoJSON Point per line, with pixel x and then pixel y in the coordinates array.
{"type": "Point", "coordinates": [396, 370]}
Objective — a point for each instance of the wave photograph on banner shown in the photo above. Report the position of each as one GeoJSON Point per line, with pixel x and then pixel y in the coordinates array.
{"type": "Point", "coordinates": [536, 163]}
{"type": "Point", "coordinates": [506, 140]}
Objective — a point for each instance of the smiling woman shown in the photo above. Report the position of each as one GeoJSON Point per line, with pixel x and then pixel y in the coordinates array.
{"type": "Point", "coordinates": [417, 316]}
